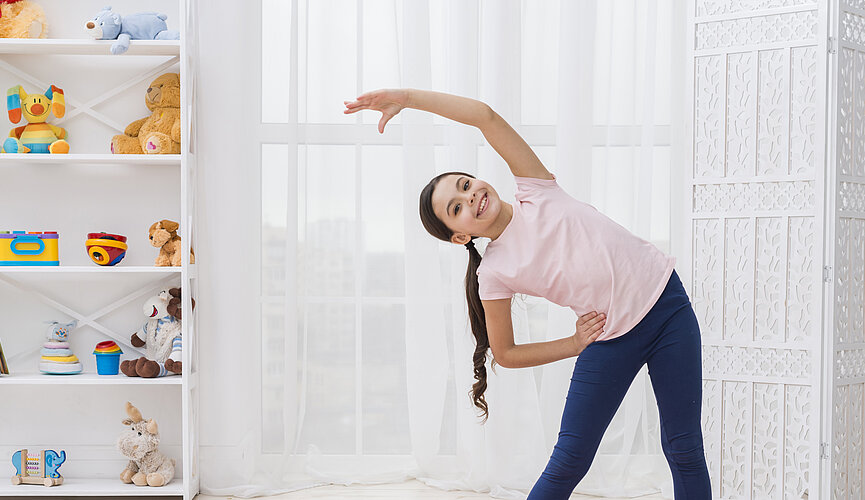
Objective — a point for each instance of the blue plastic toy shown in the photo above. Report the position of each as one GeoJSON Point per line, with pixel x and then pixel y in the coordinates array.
{"type": "Point", "coordinates": [109, 25]}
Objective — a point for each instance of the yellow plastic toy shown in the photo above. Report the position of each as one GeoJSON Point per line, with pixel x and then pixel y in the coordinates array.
{"type": "Point", "coordinates": [29, 249]}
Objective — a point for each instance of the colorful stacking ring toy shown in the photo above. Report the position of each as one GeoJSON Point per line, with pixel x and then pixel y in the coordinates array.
{"type": "Point", "coordinates": [107, 358]}
{"type": "Point", "coordinates": [106, 249]}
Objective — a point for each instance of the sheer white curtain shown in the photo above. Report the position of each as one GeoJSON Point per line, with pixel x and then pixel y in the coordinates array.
{"type": "Point", "coordinates": [355, 359]}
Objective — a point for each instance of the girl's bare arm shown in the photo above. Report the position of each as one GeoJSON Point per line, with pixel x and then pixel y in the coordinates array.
{"type": "Point", "coordinates": [500, 332]}
{"type": "Point", "coordinates": [501, 136]}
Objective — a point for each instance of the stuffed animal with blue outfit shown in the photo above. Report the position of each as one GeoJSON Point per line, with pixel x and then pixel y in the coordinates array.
{"type": "Point", "coordinates": [37, 136]}
{"type": "Point", "coordinates": [108, 25]}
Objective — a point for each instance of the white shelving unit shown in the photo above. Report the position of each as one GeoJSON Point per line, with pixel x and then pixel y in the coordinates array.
{"type": "Point", "coordinates": [91, 190]}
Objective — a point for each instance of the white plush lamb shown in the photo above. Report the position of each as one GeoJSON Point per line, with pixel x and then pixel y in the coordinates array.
{"type": "Point", "coordinates": [147, 466]}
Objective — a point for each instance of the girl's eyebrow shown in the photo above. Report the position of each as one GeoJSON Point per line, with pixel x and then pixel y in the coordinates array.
{"type": "Point", "coordinates": [448, 209]}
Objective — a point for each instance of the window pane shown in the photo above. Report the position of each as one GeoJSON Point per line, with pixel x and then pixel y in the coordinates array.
{"type": "Point", "coordinates": [274, 206]}
{"type": "Point", "coordinates": [272, 377]}
{"type": "Point", "coordinates": [380, 52]}
{"type": "Point", "coordinates": [385, 398]}
{"type": "Point", "coordinates": [329, 392]}
{"type": "Point", "coordinates": [326, 257]}
{"type": "Point", "coordinates": [383, 225]}
{"type": "Point", "coordinates": [332, 59]}
{"type": "Point", "coordinates": [661, 199]}
{"type": "Point", "coordinates": [275, 61]}
{"type": "Point", "coordinates": [540, 62]}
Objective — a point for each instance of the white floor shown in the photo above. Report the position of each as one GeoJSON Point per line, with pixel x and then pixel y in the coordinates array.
{"type": "Point", "coordinates": [409, 490]}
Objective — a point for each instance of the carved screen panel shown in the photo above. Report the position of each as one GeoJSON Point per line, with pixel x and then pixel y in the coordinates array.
{"type": "Point", "coordinates": [757, 212]}
{"type": "Point", "coordinates": [848, 275]}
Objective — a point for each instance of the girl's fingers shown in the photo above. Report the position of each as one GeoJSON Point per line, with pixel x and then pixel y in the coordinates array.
{"type": "Point", "coordinates": [597, 319]}
{"type": "Point", "coordinates": [586, 317]}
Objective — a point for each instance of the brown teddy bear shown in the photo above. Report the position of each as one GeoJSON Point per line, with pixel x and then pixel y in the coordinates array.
{"type": "Point", "coordinates": [159, 133]}
{"type": "Point", "coordinates": [163, 235]}
{"type": "Point", "coordinates": [175, 309]}
{"type": "Point", "coordinates": [21, 19]}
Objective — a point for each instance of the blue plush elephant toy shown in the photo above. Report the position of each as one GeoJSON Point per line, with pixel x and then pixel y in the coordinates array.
{"type": "Point", "coordinates": [109, 25]}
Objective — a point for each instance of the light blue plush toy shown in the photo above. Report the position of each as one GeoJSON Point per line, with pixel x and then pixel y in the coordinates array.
{"type": "Point", "coordinates": [109, 25]}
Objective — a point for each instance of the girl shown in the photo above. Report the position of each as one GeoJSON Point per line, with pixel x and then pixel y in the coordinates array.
{"type": "Point", "coordinates": [632, 307]}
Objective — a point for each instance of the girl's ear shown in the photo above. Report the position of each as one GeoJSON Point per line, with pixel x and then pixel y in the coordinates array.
{"type": "Point", "coordinates": [460, 238]}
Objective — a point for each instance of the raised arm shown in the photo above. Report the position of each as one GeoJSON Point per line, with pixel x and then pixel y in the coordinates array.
{"type": "Point", "coordinates": [501, 136]}
{"type": "Point", "coordinates": [500, 331]}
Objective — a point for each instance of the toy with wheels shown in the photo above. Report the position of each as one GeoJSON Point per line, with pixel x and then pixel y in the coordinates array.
{"type": "Point", "coordinates": [106, 249]}
{"type": "Point", "coordinates": [38, 468]}
{"type": "Point", "coordinates": [37, 136]}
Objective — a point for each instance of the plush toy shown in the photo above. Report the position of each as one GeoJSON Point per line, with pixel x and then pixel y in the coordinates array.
{"type": "Point", "coordinates": [163, 235]}
{"type": "Point", "coordinates": [174, 305]}
{"type": "Point", "coordinates": [161, 337]}
{"type": "Point", "coordinates": [158, 133]}
{"type": "Point", "coordinates": [37, 136]}
{"type": "Point", "coordinates": [109, 25]}
{"type": "Point", "coordinates": [140, 444]}
{"type": "Point", "coordinates": [22, 19]}
{"type": "Point", "coordinates": [175, 309]}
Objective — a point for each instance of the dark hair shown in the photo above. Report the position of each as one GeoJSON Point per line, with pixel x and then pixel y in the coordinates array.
{"type": "Point", "coordinates": [437, 228]}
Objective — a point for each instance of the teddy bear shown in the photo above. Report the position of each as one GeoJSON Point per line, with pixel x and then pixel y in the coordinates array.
{"type": "Point", "coordinates": [109, 25]}
{"type": "Point", "coordinates": [163, 235]}
{"type": "Point", "coordinates": [139, 443]}
{"type": "Point", "coordinates": [175, 309]}
{"type": "Point", "coordinates": [161, 336]}
{"type": "Point", "coordinates": [158, 133]}
{"type": "Point", "coordinates": [22, 19]}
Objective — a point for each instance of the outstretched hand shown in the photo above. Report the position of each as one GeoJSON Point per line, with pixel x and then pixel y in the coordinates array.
{"type": "Point", "coordinates": [589, 327]}
{"type": "Point", "coordinates": [388, 101]}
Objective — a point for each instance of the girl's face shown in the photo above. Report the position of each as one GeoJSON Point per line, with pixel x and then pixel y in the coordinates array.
{"type": "Point", "coordinates": [467, 206]}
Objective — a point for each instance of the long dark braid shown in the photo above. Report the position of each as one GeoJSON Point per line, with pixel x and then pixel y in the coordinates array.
{"type": "Point", "coordinates": [438, 229]}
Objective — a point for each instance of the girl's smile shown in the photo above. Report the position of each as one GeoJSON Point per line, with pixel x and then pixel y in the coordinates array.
{"type": "Point", "coordinates": [470, 207]}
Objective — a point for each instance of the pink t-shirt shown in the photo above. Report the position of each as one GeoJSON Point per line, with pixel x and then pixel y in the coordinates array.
{"type": "Point", "coordinates": [566, 251]}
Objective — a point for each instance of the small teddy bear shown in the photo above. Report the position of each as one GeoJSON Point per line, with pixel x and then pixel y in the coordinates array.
{"type": "Point", "coordinates": [22, 19]}
{"type": "Point", "coordinates": [163, 235]}
{"type": "Point", "coordinates": [147, 465]}
{"type": "Point", "coordinates": [158, 133]}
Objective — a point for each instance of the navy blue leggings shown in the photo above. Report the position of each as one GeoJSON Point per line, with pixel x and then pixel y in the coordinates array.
{"type": "Point", "coordinates": [668, 339]}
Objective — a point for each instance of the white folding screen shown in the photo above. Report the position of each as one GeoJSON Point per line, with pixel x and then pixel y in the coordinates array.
{"type": "Point", "coordinates": [757, 216]}
{"type": "Point", "coordinates": [847, 338]}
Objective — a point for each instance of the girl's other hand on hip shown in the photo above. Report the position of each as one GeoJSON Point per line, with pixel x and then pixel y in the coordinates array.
{"type": "Point", "coordinates": [589, 328]}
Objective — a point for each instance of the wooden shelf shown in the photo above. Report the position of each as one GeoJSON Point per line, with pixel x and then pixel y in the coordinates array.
{"type": "Point", "coordinates": [87, 47]}
{"type": "Point", "coordinates": [78, 487]}
{"type": "Point", "coordinates": [8, 159]}
{"type": "Point", "coordinates": [85, 379]}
